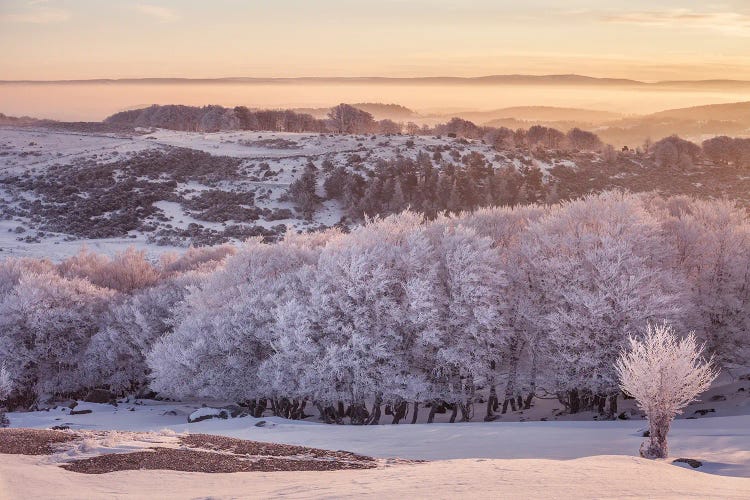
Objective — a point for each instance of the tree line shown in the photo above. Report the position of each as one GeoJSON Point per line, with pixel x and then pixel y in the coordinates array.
{"type": "Point", "coordinates": [477, 312]}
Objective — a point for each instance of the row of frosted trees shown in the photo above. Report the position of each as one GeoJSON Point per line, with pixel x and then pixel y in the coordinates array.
{"type": "Point", "coordinates": [479, 312]}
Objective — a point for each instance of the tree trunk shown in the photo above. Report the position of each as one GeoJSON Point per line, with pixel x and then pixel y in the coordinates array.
{"type": "Point", "coordinates": [510, 387]}
{"type": "Point", "coordinates": [324, 414]}
{"type": "Point", "coordinates": [260, 408]}
{"type": "Point", "coordinates": [601, 401]}
{"type": "Point", "coordinates": [612, 412]}
{"type": "Point", "coordinates": [491, 405]}
{"type": "Point", "coordinates": [655, 446]}
{"type": "Point", "coordinates": [415, 413]}
{"type": "Point", "coordinates": [399, 411]}
{"type": "Point", "coordinates": [375, 415]}
{"type": "Point", "coordinates": [454, 413]}
{"type": "Point", "coordinates": [575, 401]}
{"type": "Point", "coordinates": [358, 414]}
{"type": "Point", "coordinates": [532, 379]}
{"type": "Point", "coordinates": [433, 409]}
{"type": "Point", "coordinates": [466, 410]}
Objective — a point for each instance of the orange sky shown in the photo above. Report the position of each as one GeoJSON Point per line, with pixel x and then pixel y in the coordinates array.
{"type": "Point", "coordinates": [648, 40]}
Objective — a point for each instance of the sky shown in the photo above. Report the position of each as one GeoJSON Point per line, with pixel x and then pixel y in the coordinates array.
{"type": "Point", "coordinates": [641, 39]}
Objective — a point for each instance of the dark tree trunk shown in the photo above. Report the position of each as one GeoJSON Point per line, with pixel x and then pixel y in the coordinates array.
{"type": "Point", "coordinates": [399, 411]}
{"type": "Point", "coordinates": [466, 411]}
{"type": "Point", "coordinates": [532, 378]}
{"type": "Point", "coordinates": [454, 412]}
{"type": "Point", "coordinates": [602, 402]}
{"type": "Point", "coordinates": [612, 412]}
{"type": "Point", "coordinates": [260, 408]}
{"type": "Point", "coordinates": [529, 400]}
{"type": "Point", "coordinates": [510, 387]}
{"type": "Point", "coordinates": [433, 409]}
{"type": "Point", "coordinates": [655, 446]}
{"type": "Point", "coordinates": [375, 415]}
{"type": "Point", "coordinates": [358, 414]}
{"type": "Point", "coordinates": [415, 413]}
{"type": "Point", "coordinates": [575, 401]}
{"type": "Point", "coordinates": [251, 407]}
{"type": "Point", "coordinates": [491, 405]}
{"type": "Point", "coordinates": [324, 413]}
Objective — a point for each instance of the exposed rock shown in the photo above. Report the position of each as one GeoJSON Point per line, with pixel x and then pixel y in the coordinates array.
{"type": "Point", "coordinates": [207, 414]}
{"type": "Point", "coordinates": [703, 412]}
{"type": "Point", "coordinates": [99, 396]}
{"type": "Point", "coordinates": [690, 461]}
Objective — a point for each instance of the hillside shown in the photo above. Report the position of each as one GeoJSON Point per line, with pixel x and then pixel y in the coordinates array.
{"type": "Point", "coordinates": [171, 188]}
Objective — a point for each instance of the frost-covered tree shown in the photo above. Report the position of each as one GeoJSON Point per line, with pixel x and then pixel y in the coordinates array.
{"type": "Point", "coordinates": [507, 226]}
{"type": "Point", "coordinates": [6, 383]}
{"type": "Point", "coordinates": [116, 355]}
{"type": "Point", "coordinates": [46, 323]}
{"type": "Point", "coordinates": [6, 389]}
{"type": "Point", "coordinates": [470, 330]}
{"type": "Point", "coordinates": [600, 264]}
{"type": "Point", "coordinates": [664, 373]}
{"type": "Point", "coordinates": [712, 241]}
{"type": "Point", "coordinates": [224, 330]}
{"type": "Point", "coordinates": [357, 331]}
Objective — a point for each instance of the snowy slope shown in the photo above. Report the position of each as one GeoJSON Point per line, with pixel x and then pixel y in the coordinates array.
{"type": "Point", "coordinates": [592, 477]}
{"type": "Point", "coordinates": [270, 161]}
{"type": "Point", "coordinates": [723, 443]}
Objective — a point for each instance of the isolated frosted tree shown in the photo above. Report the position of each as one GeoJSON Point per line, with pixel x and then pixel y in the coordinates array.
{"type": "Point", "coordinates": [664, 373]}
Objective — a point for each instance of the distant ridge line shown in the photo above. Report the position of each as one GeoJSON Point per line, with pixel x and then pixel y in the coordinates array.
{"type": "Point", "coordinates": [570, 79]}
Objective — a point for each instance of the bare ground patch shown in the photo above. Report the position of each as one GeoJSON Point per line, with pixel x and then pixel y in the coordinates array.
{"type": "Point", "coordinates": [196, 453]}
{"type": "Point", "coordinates": [32, 441]}
{"type": "Point", "coordinates": [190, 460]}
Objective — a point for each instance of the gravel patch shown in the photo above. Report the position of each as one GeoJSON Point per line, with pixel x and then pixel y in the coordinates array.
{"type": "Point", "coordinates": [32, 441]}
{"type": "Point", "coordinates": [187, 460]}
{"type": "Point", "coordinates": [257, 448]}
{"type": "Point", "coordinates": [197, 453]}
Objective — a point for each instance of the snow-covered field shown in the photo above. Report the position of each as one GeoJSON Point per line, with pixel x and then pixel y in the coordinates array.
{"type": "Point", "coordinates": [561, 459]}
{"type": "Point", "coordinates": [575, 456]}
{"type": "Point", "coordinates": [591, 477]}
{"type": "Point", "coordinates": [722, 443]}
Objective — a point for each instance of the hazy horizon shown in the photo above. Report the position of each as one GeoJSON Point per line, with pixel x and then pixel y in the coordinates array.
{"type": "Point", "coordinates": [638, 39]}
{"type": "Point", "coordinates": [94, 102]}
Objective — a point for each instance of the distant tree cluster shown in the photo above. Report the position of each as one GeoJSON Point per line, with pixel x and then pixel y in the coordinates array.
{"type": "Point", "coordinates": [466, 184]}
{"type": "Point", "coordinates": [495, 307]}
{"type": "Point", "coordinates": [671, 151]}
{"type": "Point", "coordinates": [725, 150]}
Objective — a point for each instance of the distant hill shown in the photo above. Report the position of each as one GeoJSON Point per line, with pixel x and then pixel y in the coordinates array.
{"type": "Point", "coordinates": [694, 123]}
{"type": "Point", "coordinates": [379, 111]}
{"type": "Point", "coordinates": [541, 113]}
{"type": "Point", "coordinates": [572, 79]}
{"type": "Point", "coordinates": [736, 111]}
